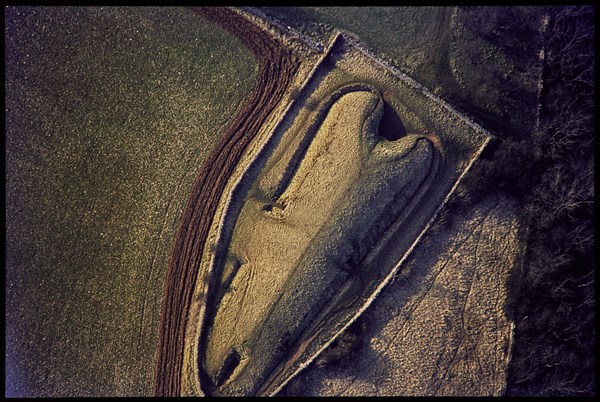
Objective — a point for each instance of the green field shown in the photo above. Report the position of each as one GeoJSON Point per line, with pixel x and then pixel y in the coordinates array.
{"type": "Point", "coordinates": [109, 115]}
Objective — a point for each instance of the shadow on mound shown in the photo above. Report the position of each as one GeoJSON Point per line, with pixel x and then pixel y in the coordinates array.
{"type": "Point", "coordinates": [391, 127]}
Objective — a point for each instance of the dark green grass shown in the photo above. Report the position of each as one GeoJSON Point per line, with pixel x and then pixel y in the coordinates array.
{"type": "Point", "coordinates": [109, 115]}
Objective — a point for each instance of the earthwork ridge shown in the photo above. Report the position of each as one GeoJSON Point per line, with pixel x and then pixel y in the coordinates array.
{"type": "Point", "coordinates": [277, 67]}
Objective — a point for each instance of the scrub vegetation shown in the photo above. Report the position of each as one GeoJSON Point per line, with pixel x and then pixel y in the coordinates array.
{"type": "Point", "coordinates": [550, 174]}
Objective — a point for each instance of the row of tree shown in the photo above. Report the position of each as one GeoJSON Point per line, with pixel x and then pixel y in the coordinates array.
{"type": "Point", "coordinates": [554, 349]}
{"type": "Point", "coordinates": [550, 174]}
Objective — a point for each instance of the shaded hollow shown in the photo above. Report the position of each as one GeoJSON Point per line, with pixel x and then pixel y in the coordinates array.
{"type": "Point", "coordinates": [391, 127]}
{"type": "Point", "coordinates": [231, 363]}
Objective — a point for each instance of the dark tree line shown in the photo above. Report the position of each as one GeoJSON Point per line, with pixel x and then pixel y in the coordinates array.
{"type": "Point", "coordinates": [550, 174]}
{"type": "Point", "coordinates": [554, 349]}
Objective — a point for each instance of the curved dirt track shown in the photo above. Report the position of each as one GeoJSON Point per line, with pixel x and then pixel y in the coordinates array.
{"type": "Point", "coordinates": [277, 67]}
